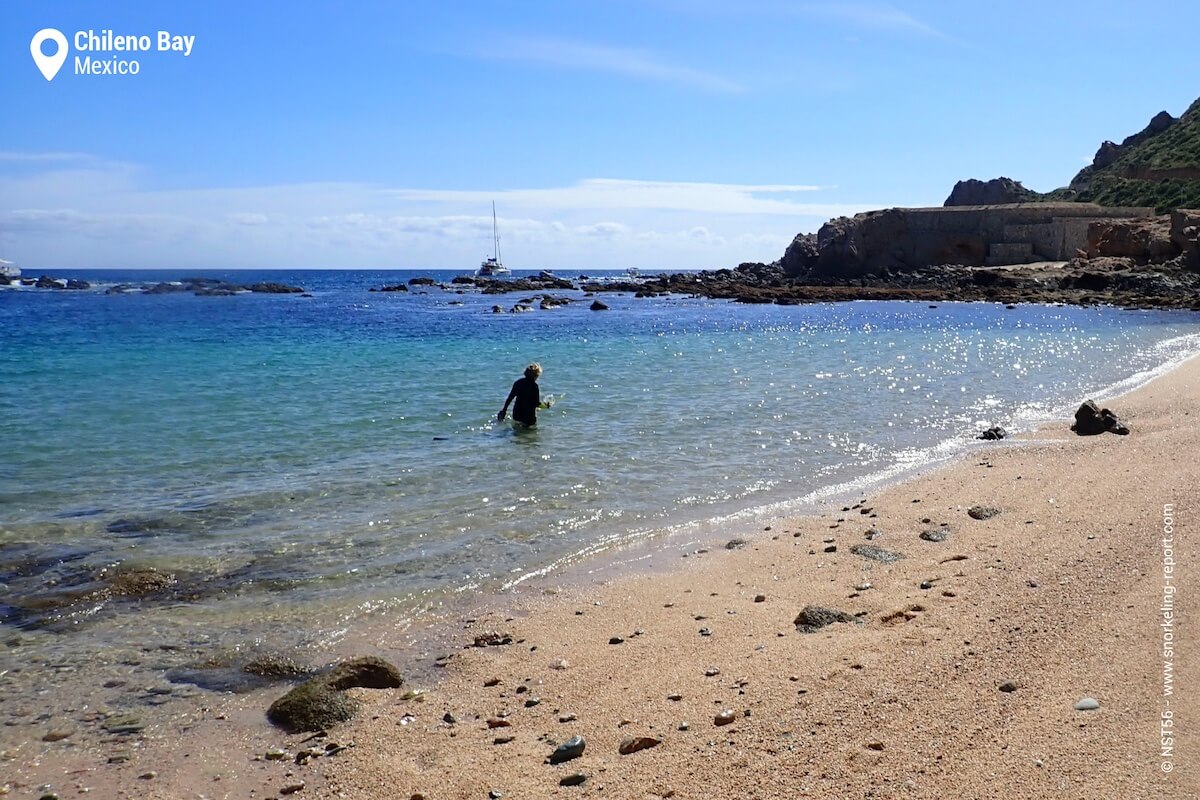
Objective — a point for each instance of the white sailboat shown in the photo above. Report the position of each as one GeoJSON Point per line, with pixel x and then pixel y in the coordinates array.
{"type": "Point", "coordinates": [493, 266]}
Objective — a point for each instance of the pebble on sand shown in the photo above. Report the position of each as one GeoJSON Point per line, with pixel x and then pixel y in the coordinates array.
{"type": "Point", "coordinates": [634, 744]}
{"type": "Point", "coordinates": [1087, 704]}
{"type": "Point", "coordinates": [571, 748]}
{"type": "Point", "coordinates": [1009, 686]}
{"type": "Point", "coordinates": [573, 780]}
{"type": "Point", "coordinates": [725, 717]}
{"type": "Point", "coordinates": [983, 512]}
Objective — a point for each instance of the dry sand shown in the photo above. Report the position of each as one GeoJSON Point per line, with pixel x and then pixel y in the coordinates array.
{"type": "Point", "coordinates": [1060, 593]}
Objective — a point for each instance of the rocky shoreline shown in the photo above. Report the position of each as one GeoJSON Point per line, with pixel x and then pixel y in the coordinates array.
{"type": "Point", "coordinates": [201, 287]}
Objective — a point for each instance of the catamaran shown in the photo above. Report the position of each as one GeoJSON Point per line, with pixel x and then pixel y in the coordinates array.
{"type": "Point", "coordinates": [492, 266]}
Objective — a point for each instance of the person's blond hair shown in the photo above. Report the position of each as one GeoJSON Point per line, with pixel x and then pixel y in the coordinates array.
{"type": "Point", "coordinates": [533, 371]}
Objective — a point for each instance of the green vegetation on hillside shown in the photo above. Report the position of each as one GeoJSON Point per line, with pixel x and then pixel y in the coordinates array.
{"type": "Point", "coordinates": [1163, 195]}
{"type": "Point", "coordinates": [1161, 170]}
{"type": "Point", "coordinates": [1176, 147]}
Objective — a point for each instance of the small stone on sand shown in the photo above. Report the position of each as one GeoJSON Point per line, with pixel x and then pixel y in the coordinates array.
{"type": "Point", "coordinates": [983, 512]}
{"type": "Point", "coordinates": [571, 748]}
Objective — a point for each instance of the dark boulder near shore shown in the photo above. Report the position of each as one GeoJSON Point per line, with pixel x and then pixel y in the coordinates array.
{"type": "Point", "coordinates": [321, 702]}
{"type": "Point", "coordinates": [1091, 420]}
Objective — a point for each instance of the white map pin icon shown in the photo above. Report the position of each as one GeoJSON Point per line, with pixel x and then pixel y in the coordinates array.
{"type": "Point", "coordinates": [49, 65]}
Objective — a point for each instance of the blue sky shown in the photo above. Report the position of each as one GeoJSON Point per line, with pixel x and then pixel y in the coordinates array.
{"type": "Point", "coordinates": [610, 133]}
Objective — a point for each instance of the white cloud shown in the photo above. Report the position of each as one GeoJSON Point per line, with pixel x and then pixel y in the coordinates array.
{"type": "Point", "coordinates": [572, 54]}
{"type": "Point", "coordinates": [610, 193]}
{"type": "Point", "coordinates": [248, 218]}
{"type": "Point", "coordinates": [80, 212]}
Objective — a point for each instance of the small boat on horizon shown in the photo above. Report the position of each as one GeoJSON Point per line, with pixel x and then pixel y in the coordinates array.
{"type": "Point", "coordinates": [492, 267]}
{"type": "Point", "coordinates": [9, 270]}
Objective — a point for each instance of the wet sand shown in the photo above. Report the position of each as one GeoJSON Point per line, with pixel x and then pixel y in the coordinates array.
{"type": "Point", "coordinates": [1060, 593]}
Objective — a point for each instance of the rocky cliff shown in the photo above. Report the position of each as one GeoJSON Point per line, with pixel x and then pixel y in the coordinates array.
{"type": "Point", "coordinates": [997, 191]}
{"type": "Point", "coordinates": [1159, 167]}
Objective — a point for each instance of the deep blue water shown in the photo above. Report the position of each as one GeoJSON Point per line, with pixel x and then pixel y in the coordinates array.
{"type": "Point", "coordinates": [338, 454]}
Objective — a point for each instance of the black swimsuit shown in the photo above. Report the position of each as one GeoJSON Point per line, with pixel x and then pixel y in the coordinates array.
{"type": "Point", "coordinates": [528, 398]}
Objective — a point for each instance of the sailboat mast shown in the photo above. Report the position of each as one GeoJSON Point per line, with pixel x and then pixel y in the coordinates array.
{"type": "Point", "coordinates": [495, 235]}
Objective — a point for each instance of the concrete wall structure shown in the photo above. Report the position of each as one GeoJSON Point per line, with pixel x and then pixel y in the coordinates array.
{"type": "Point", "coordinates": [906, 238]}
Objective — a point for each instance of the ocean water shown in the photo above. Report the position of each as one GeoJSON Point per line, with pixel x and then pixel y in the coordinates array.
{"type": "Point", "coordinates": [306, 465]}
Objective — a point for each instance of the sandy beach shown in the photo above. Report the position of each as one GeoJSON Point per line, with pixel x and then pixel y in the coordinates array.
{"type": "Point", "coordinates": [1061, 594]}
{"type": "Point", "coordinates": [957, 675]}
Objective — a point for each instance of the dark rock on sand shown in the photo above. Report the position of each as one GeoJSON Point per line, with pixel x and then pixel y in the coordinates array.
{"type": "Point", "coordinates": [1009, 686]}
{"type": "Point", "coordinates": [367, 672]}
{"type": "Point", "coordinates": [1091, 420]}
{"type": "Point", "coordinates": [571, 748]}
{"type": "Point", "coordinates": [983, 512]}
{"type": "Point", "coordinates": [813, 618]}
{"type": "Point", "coordinates": [876, 553]}
{"type": "Point", "coordinates": [993, 433]}
{"type": "Point", "coordinates": [573, 780]}
{"type": "Point", "coordinates": [311, 706]}
{"type": "Point", "coordinates": [492, 639]}
{"type": "Point", "coordinates": [320, 702]}
{"type": "Point", "coordinates": [637, 743]}
{"type": "Point", "coordinates": [935, 535]}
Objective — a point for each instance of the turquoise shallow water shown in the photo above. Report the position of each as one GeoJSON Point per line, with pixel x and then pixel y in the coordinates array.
{"type": "Point", "coordinates": [335, 459]}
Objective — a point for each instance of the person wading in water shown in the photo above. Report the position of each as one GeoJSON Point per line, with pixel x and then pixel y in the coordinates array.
{"type": "Point", "coordinates": [528, 396]}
